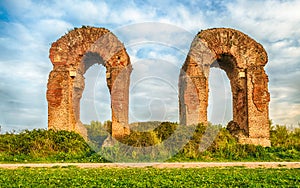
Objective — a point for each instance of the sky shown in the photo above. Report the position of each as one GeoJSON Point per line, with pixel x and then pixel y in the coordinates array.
{"type": "Point", "coordinates": [28, 27]}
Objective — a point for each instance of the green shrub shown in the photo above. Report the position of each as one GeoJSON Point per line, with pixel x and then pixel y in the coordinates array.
{"type": "Point", "coordinates": [141, 139]}
{"type": "Point", "coordinates": [285, 146]}
{"type": "Point", "coordinates": [280, 136]}
{"type": "Point", "coordinates": [43, 145]}
{"type": "Point", "coordinates": [202, 143]}
{"type": "Point", "coordinates": [98, 132]}
{"type": "Point", "coordinates": [165, 130]}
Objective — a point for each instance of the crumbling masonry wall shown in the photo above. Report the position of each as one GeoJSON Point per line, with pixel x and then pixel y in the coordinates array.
{"type": "Point", "coordinates": [71, 56]}
{"type": "Point", "coordinates": [237, 54]}
{"type": "Point", "coordinates": [243, 60]}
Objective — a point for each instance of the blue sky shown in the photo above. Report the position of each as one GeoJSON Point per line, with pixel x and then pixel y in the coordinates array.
{"type": "Point", "coordinates": [29, 27]}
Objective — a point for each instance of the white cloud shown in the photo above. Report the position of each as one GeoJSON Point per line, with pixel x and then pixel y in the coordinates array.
{"type": "Point", "coordinates": [51, 29]}
{"type": "Point", "coordinates": [32, 26]}
{"type": "Point", "coordinates": [285, 113]}
{"type": "Point", "coordinates": [268, 20]}
{"type": "Point", "coordinates": [276, 25]}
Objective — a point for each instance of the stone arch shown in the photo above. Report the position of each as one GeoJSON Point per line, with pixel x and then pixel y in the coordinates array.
{"type": "Point", "coordinates": [243, 60]}
{"type": "Point", "coordinates": [71, 56]}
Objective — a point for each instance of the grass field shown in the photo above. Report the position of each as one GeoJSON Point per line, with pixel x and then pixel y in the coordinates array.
{"type": "Point", "coordinates": [149, 177]}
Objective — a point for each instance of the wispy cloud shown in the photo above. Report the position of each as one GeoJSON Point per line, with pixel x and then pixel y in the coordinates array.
{"type": "Point", "coordinates": [29, 28]}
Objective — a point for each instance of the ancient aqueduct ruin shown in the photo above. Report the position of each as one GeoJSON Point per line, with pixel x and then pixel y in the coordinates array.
{"type": "Point", "coordinates": [242, 58]}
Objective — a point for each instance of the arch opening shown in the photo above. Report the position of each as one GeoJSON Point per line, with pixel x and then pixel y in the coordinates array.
{"type": "Point", "coordinates": [72, 55]}
{"type": "Point", "coordinates": [79, 86]}
{"type": "Point", "coordinates": [238, 83]}
{"type": "Point", "coordinates": [91, 58]}
{"type": "Point", "coordinates": [219, 96]}
{"type": "Point", "coordinates": [95, 101]}
{"type": "Point", "coordinates": [243, 60]}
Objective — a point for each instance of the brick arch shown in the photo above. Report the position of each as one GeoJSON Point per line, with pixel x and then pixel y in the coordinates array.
{"type": "Point", "coordinates": [243, 60]}
{"type": "Point", "coordinates": [71, 56]}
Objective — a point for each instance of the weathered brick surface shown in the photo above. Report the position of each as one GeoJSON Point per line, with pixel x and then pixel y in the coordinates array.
{"type": "Point", "coordinates": [71, 56]}
{"type": "Point", "coordinates": [243, 60]}
{"type": "Point", "coordinates": [237, 54]}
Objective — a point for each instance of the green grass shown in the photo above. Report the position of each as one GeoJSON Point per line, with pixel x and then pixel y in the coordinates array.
{"type": "Point", "coordinates": [149, 177]}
